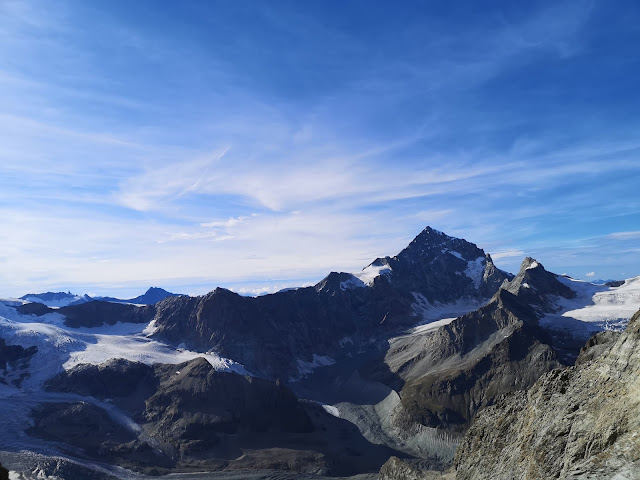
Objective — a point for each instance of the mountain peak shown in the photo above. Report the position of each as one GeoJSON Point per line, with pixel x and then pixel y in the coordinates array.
{"type": "Point", "coordinates": [156, 290]}
{"type": "Point", "coordinates": [430, 234]}
{"type": "Point", "coordinates": [530, 263]}
{"type": "Point", "coordinates": [537, 286]}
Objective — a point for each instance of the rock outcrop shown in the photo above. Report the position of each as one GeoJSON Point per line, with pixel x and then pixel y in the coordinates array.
{"type": "Point", "coordinates": [577, 422]}
{"type": "Point", "coordinates": [397, 469]}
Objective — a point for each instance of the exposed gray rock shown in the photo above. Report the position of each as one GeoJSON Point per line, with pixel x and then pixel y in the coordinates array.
{"type": "Point", "coordinates": [397, 469]}
{"type": "Point", "coordinates": [536, 286]}
{"type": "Point", "coordinates": [600, 343]}
{"type": "Point", "coordinates": [478, 357]}
{"type": "Point", "coordinates": [578, 422]}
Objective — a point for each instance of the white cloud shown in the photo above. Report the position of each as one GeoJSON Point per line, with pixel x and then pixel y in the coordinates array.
{"type": "Point", "coordinates": [625, 235]}
{"type": "Point", "coordinates": [590, 274]}
{"type": "Point", "coordinates": [507, 254]}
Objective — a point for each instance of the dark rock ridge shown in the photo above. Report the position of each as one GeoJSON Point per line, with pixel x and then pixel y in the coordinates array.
{"type": "Point", "coordinates": [95, 313]}
{"type": "Point", "coordinates": [192, 417]}
{"type": "Point", "coordinates": [269, 334]}
{"type": "Point", "coordinates": [578, 422]}
{"type": "Point", "coordinates": [98, 312]}
{"type": "Point", "coordinates": [466, 365]}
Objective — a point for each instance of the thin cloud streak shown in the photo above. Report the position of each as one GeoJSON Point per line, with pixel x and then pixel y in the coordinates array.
{"type": "Point", "coordinates": [218, 157]}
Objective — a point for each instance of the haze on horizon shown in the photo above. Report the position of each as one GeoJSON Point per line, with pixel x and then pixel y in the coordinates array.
{"type": "Point", "coordinates": [260, 145]}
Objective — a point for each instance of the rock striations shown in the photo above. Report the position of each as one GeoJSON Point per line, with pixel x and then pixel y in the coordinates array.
{"type": "Point", "coordinates": [452, 372]}
{"type": "Point", "coordinates": [580, 422]}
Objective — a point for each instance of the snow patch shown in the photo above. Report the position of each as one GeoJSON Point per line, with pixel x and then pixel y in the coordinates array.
{"type": "Point", "coordinates": [331, 410]}
{"type": "Point", "coordinates": [61, 347]}
{"type": "Point", "coordinates": [369, 274]}
{"type": "Point", "coordinates": [475, 271]}
{"type": "Point", "coordinates": [305, 368]}
{"type": "Point", "coordinates": [455, 254]}
{"type": "Point", "coordinates": [533, 265]}
{"type": "Point", "coordinates": [430, 312]}
{"type": "Point", "coordinates": [352, 282]}
{"type": "Point", "coordinates": [150, 329]}
{"type": "Point", "coordinates": [420, 329]}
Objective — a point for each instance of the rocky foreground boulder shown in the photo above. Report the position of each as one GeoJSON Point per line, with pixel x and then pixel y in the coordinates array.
{"type": "Point", "coordinates": [577, 422]}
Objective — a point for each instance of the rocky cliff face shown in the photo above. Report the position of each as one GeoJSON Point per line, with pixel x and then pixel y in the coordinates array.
{"type": "Point", "coordinates": [477, 358]}
{"type": "Point", "coordinates": [578, 422]}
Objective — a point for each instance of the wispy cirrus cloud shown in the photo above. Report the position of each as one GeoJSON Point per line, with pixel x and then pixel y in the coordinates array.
{"type": "Point", "coordinates": [202, 145]}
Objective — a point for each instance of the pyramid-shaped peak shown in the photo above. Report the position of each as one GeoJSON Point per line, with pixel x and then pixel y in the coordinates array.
{"type": "Point", "coordinates": [431, 232]}
{"type": "Point", "coordinates": [431, 242]}
{"type": "Point", "coordinates": [156, 290]}
{"type": "Point", "coordinates": [530, 263]}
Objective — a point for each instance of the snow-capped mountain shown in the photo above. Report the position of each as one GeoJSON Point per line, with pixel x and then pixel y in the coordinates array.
{"type": "Point", "coordinates": [62, 299]}
{"type": "Point", "coordinates": [56, 299]}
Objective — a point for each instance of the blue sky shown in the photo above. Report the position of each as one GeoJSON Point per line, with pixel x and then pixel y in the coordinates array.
{"type": "Point", "coordinates": [258, 145]}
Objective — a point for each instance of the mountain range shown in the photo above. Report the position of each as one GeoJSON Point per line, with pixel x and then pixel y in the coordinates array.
{"type": "Point", "coordinates": [62, 299]}
{"type": "Point", "coordinates": [413, 361]}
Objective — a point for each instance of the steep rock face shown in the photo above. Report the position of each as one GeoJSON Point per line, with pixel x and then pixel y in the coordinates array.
{"type": "Point", "coordinates": [597, 345]}
{"type": "Point", "coordinates": [194, 396]}
{"type": "Point", "coordinates": [269, 334]}
{"type": "Point", "coordinates": [536, 286]}
{"type": "Point", "coordinates": [443, 268]}
{"type": "Point", "coordinates": [451, 373]}
{"type": "Point", "coordinates": [98, 312]}
{"type": "Point", "coordinates": [466, 365]}
{"type": "Point", "coordinates": [580, 422]}
{"type": "Point", "coordinates": [266, 334]}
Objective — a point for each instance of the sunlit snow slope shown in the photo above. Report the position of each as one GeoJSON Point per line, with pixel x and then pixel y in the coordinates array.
{"type": "Point", "coordinates": [595, 307]}
{"type": "Point", "coordinates": [61, 347]}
